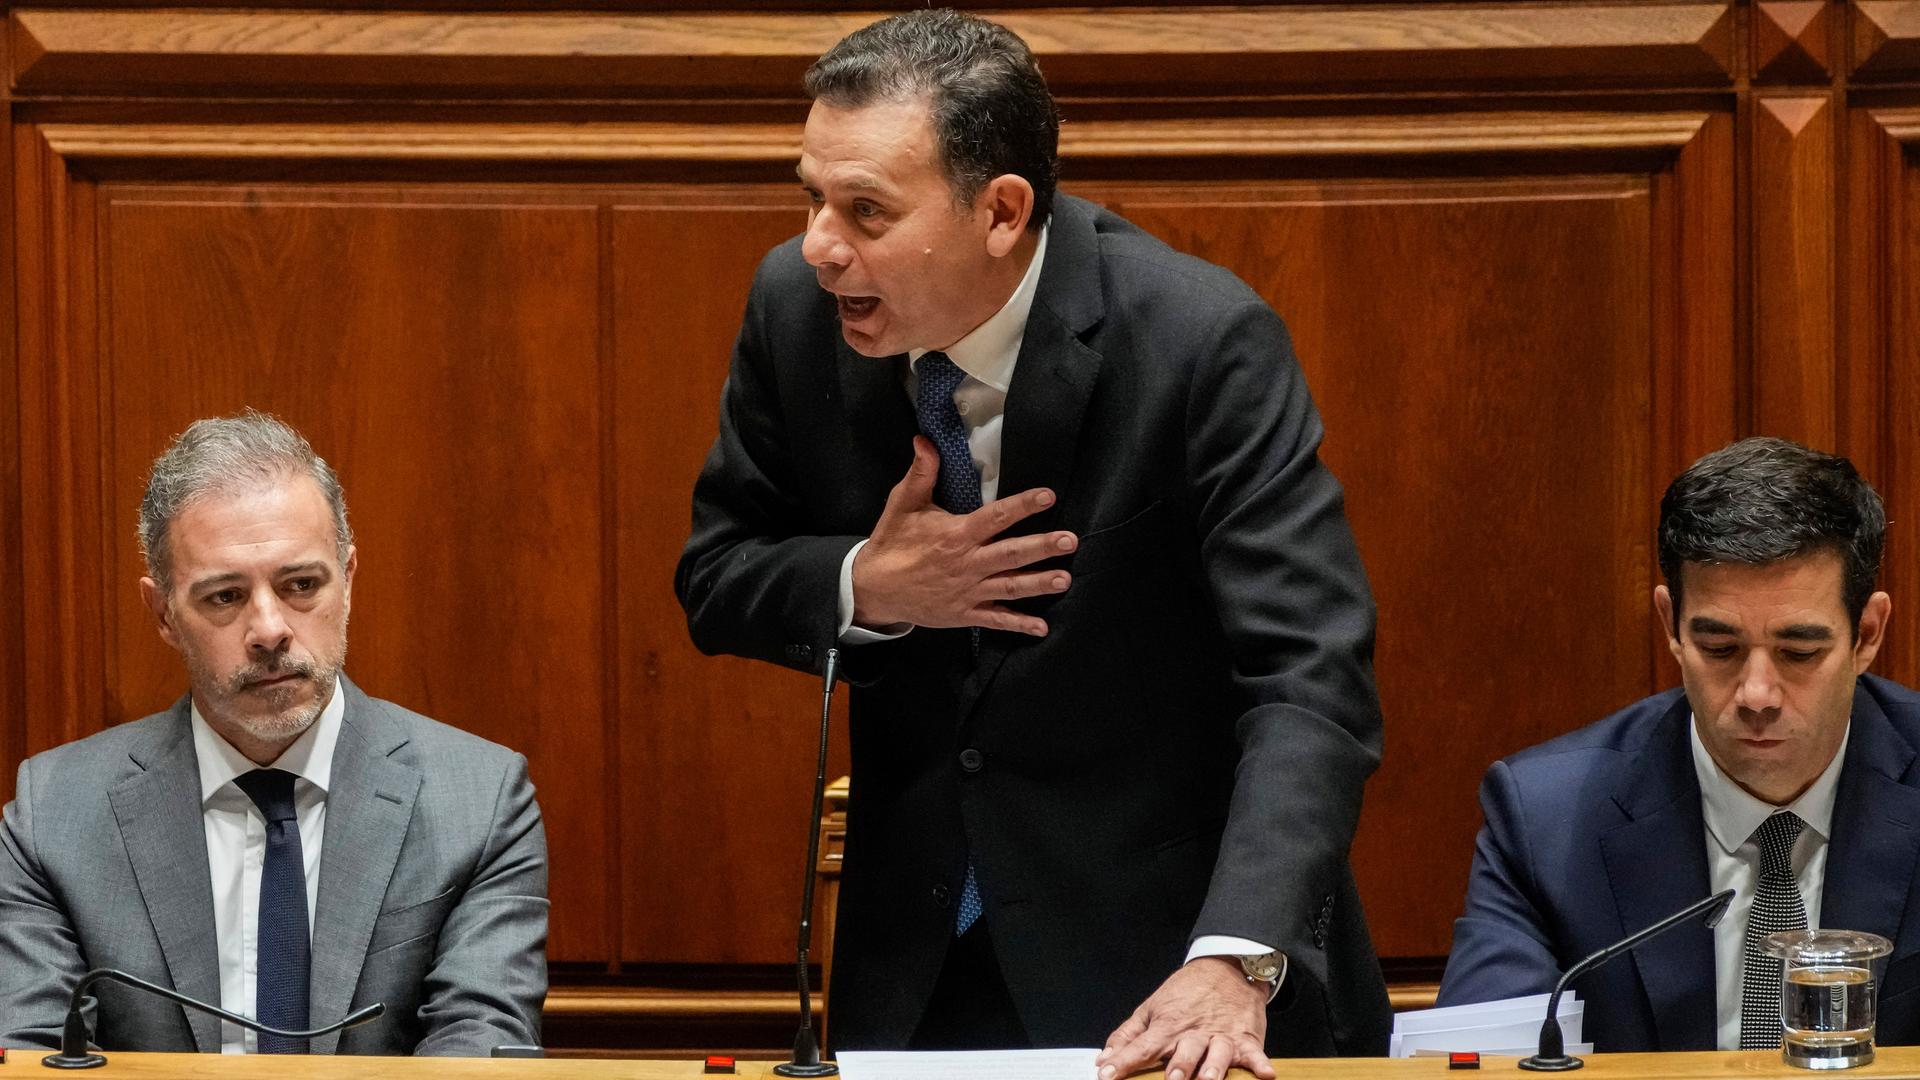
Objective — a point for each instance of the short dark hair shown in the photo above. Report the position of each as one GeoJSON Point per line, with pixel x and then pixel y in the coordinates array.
{"type": "Point", "coordinates": [1761, 500]}
{"type": "Point", "coordinates": [991, 111]}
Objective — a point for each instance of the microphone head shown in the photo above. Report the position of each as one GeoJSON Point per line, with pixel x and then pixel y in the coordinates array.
{"type": "Point", "coordinates": [371, 1012]}
{"type": "Point", "coordinates": [1719, 909]}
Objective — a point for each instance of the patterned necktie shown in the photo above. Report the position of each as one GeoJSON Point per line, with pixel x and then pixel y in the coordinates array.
{"type": "Point", "coordinates": [957, 492]}
{"type": "Point", "coordinates": [1776, 906]}
{"type": "Point", "coordinates": [282, 946]}
{"type": "Point", "coordinates": [958, 489]}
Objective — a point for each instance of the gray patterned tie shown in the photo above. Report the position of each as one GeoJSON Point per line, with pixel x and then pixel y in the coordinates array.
{"type": "Point", "coordinates": [1776, 906]}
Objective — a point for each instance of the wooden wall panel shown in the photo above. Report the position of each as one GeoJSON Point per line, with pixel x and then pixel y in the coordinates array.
{"type": "Point", "coordinates": [727, 745]}
{"type": "Point", "coordinates": [1794, 376]}
{"type": "Point", "coordinates": [13, 701]}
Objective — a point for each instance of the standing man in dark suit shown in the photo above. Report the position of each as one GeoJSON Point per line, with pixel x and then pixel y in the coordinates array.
{"type": "Point", "coordinates": [277, 843]}
{"type": "Point", "coordinates": [1110, 636]}
{"type": "Point", "coordinates": [1782, 771]}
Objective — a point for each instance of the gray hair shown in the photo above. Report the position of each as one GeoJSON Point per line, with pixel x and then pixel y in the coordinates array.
{"type": "Point", "coordinates": [223, 455]}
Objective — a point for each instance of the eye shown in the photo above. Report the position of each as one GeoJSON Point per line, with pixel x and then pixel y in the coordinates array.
{"type": "Point", "coordinates": [865, 209]}
{"type": "Point", "coordinates": [1717, 652]}
{"type": "Point", "coordinates": [1799, 656]}
{"type": "Point", "coordinates": [303, 584]}
{"type": "Point", "coordinates": [224, 597]}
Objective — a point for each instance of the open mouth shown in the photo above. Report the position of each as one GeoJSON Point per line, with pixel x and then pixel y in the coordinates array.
{"type": "Point", "coordinates": [855, 308]}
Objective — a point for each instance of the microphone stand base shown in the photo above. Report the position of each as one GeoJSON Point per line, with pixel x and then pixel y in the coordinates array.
{"type": "Point", "coordinates": [77, 1061]}
{"type": "Point", "coordinates": [818, 1068]}
{"type": "Point", "coordinates": [1563, 1063]}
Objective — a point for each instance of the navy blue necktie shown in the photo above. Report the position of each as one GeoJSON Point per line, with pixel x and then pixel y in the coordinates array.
{"type": "Point", "coordinates": [956, 492]}
{"type": "Point", "coordinates": [283, 949]}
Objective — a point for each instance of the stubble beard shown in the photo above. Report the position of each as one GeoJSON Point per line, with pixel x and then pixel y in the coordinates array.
{"type": "Point", "coordinates": [282, 720]}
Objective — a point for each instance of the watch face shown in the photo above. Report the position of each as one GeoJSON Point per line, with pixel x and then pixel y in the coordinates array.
{"type": "Point", "coordinates": [1265, 967]}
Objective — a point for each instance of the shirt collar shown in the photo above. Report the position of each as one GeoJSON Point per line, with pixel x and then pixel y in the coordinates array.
{"type": "Point", "coordinates": [310, 757]}
{"type": "Point", "coordinates": [1732, 814]}
{"type": "Point", "coordinates": [989, 352]}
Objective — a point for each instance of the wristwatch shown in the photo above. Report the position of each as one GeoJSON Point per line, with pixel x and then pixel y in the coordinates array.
{"type": "Point", "coordinates": [1266, 967]}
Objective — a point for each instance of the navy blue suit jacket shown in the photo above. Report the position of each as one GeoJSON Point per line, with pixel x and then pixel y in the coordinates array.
{"type": "Point", "coordinates": [1598, 833]}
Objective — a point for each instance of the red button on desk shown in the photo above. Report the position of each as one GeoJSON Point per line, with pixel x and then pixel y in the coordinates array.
{"type": "Point", "coordinates": [719, 1063]}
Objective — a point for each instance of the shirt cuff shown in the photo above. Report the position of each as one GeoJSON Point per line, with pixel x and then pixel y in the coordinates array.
{"type": "Point", "coordinates": [860, 635]}
{"type": "Point", "coordinates": [1223, 945]}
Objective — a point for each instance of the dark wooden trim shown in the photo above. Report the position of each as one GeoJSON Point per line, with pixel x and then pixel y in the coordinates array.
{"type": "Point", "coordinates": [1228, 49]}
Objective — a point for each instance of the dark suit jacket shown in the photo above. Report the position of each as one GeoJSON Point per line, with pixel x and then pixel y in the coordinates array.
{"type": "Point", "coordinates": [433, 889]}
{"type": "Point", "coordinates": [1182, 755]}
{"type": "Point", "coordinates": [1598, 833]}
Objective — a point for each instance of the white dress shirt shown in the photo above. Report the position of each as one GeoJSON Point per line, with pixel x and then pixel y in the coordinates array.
{"type": "Point", "coordinates": [1733, 862]}
{"type": "Point", "coordinates": [237, 848]}
{"type": "Point", "coordinates": [987, 356]}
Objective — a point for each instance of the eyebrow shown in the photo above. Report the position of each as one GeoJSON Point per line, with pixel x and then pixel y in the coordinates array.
{"type": "Point", "coordinates": [309, 567]}
{"type": "Point", "coordinates": [857, 183]}
{"type": "Point", "coordinates": [1701, 624]}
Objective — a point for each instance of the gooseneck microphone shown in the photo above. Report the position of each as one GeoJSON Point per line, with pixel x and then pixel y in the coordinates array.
{"type": "Point", "coordinates": [806, 1047]}
{"type": "Point", "coordinates": [73, 1037]}
{"type": "Point", "coordinates": [1553, 1056]}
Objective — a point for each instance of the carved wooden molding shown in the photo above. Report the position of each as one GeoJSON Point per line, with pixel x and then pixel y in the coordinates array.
{"type": "Point", "coordinates": [1886, 38]}
{"type": "Point", "coordinates": [778, 145]}
{"type": "Point", "coordinates": [1791, 40]}
{"type": "Point", "coordinates": [1176, 52]}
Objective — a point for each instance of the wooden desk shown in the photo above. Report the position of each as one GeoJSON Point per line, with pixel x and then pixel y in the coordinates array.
{"type": "Point", "coordinates": [1895, 1063]}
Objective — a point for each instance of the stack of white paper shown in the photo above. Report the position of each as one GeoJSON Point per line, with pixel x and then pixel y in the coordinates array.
{"type": "Point", "coordinates": [967, 1065]}
{"type": "Point", "coordinates": [1491, 1027]}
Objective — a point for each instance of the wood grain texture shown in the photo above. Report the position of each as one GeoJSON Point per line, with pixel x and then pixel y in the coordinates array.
{"type": "Point", "coordinates": [1226, 49]}
{"type": "Point", "coordinates": [729, 743]}
{"type": "Point", "coordinates": [776, 146]}
{"type": "Point", "coordinates": [1880, 389]}
{"type": "Point", "coordinates": [1793, 192]}
{"type": "Point", "coordinates": [1792, 39]}
{"type": "Point", "coordinates": [13, 699]}
{"type": "Point", "coordinates": [1886, 39]}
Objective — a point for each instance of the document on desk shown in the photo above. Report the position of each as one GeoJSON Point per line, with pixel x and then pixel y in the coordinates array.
{"type": "Point", "coordinates": [967, 1064]}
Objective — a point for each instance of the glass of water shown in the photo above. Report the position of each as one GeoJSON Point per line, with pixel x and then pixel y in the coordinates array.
{"type": "Point", "coordinates": [1827, 986]}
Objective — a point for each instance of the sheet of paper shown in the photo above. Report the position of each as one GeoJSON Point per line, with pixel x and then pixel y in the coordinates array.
{"type": "Point", "coordinates": [1484, 1039]}
{"type": "Point", "coordinates": [1453, 1017]}
{"type": "Point", "coordinates": [967, 1065]}
{"type": "Point", "coordinates": [1511, 1051]}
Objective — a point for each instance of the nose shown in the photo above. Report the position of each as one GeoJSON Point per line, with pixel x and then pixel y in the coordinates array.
{"type": "Point", "coordinates": [267, 630]}
{"type": "Point", "coordinates": [1759, 689]}
{"type": "Point", "coordinates": [824, 246]}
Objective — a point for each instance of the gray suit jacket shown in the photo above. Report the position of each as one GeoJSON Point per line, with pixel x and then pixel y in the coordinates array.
{"type": "Point", "coordinates": [433, 889]}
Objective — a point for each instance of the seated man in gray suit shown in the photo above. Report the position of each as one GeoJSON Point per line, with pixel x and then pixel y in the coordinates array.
{"type": "Point", "coordinates": [277, 842]}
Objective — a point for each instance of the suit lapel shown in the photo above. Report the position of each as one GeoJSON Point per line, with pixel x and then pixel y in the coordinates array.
{"type": "Point", "coordinates": [1876, 829]}
{"type": "Point", "coordinates": [1657, 864]}
{"type": "Point", "coordinates": [368, 809]}
{"type": "Point", "coordinates": [163, 827]}
{"type": "Point", "coordinates": [1053, 380]}
{"type": "Point", "coordinates": [879, 418]}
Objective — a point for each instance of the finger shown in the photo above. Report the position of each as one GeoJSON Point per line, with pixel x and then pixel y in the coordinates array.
{"type": "Point", "coordinates": [1251, 1056]}
{"type": "Point", "coordinates": [915, 489]}
{"type": "Point", "coordinates": [1218, 1058]}
{"type": "Point", "coordinates": [1186, 1054]}
{"type": "Point", "coordinates": [995, 617]}
{"type": "Point", "coordinates": [1126, 1032]}
{"type": "Point", "coordinates": [1020, 586]}
{"type": "Point", "coordinates": [999, 515]}
{"type": "Point", "coordinates": [1017, 551]}
{"type": "Point", "coordinates": [1143, 1049]}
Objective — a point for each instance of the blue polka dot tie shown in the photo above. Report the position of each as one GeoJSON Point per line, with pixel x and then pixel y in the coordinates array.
{"type": "Point", "coordinates": [282, 945]}
{"type": "Point", "coordinates": [956, 492]}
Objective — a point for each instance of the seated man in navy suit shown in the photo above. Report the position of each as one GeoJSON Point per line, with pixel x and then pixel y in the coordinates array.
{"type": "Point", "coordinates": [1783, 771]}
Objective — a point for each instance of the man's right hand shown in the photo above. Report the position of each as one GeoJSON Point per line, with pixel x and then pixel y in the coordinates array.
{"type": "Point", "coordinates": [930, 568]}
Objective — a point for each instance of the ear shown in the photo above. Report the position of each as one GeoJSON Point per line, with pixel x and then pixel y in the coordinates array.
{"type": "Point", "coordinates": [156, 600]}
{"type": "Point", "coordinates": [351, 567]}
{"type": "Point", "coordinates": [1663, 610]}
{"type": "Point", "coordinates": [1871, 631]}
{"type": "Point", "coordinates": [1007, 202]}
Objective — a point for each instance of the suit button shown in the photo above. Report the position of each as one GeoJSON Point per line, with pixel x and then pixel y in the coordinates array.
{"type": "Point", "coordinates": [972, 760]}
{"type": "Point", "coordinates": [942, 895]}
{"type": "Point", "coordinates": [800, 654]}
